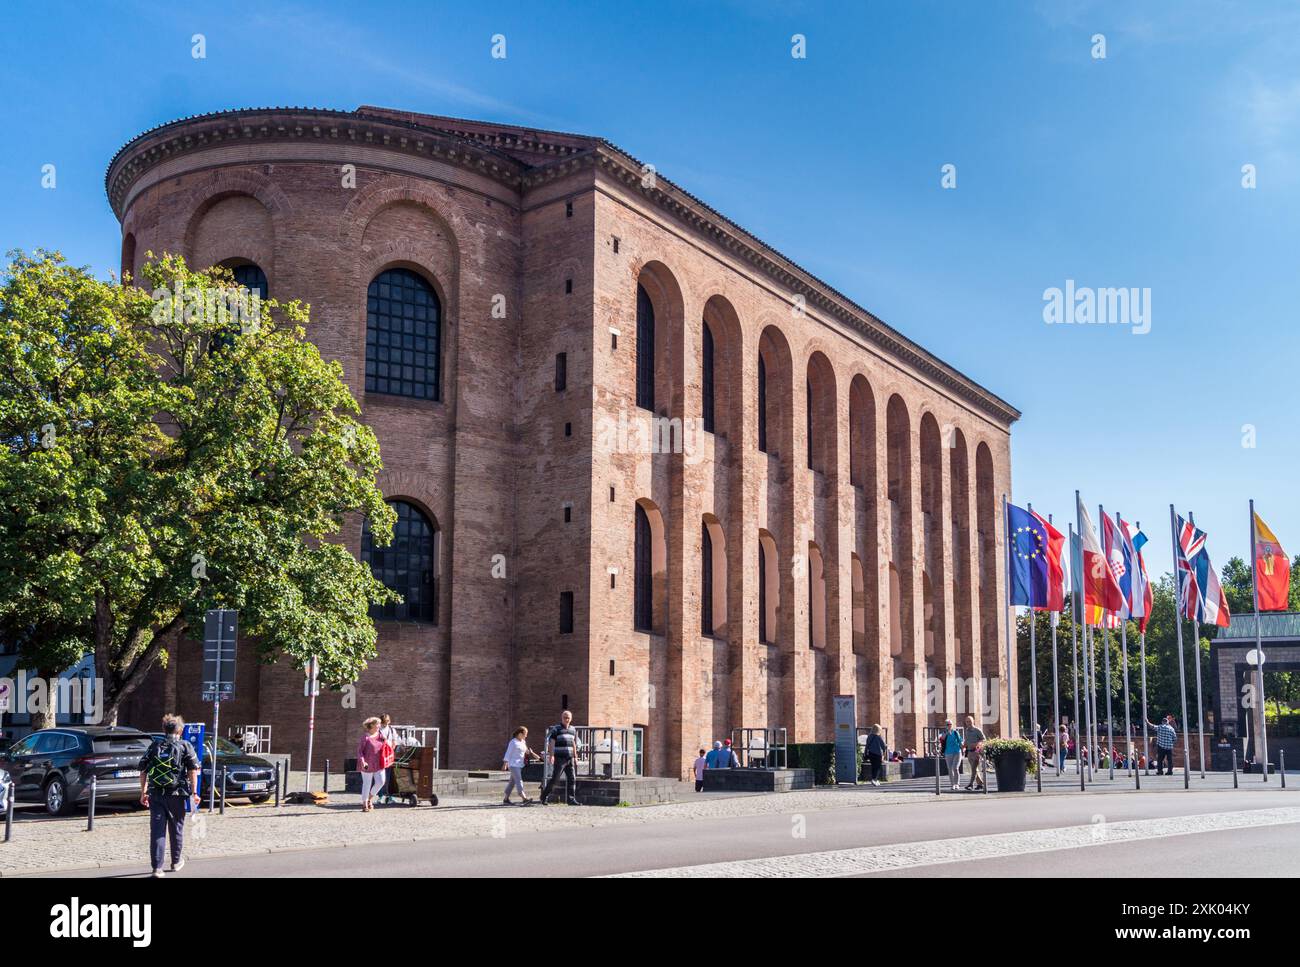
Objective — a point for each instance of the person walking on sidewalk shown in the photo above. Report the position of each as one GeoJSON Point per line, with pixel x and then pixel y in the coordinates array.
{"type": "Point", "coordinates": [950, 740]}
{"type": "Point", "coordinates": [562, 751]}
{"type": "Point", "coordinates": [974, 740]}
{"type": "Point", "coordinates": [876, 752]}
{"type": "Point", "coordinates": [517, 753]}
{"type": "Point", "coordinates": [374, 756]}
{"type": "Point", "coordinates": [389, 735]}
{"type": "Point", "coordinates": [698, 767]}
{"type": "Point", "coordinates": [1166, 737]}
{"type": "Point", "coordinates": [169, 776]}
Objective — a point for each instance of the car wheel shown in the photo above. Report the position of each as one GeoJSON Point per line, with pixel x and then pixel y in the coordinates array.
{"type": "Point", "coordinates": [258, 800]}
{"type": "Point", "coordinates": [57, 800]}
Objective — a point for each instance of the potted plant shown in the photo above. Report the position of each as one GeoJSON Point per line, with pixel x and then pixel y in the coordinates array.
{"type": "Point", "coordinates": [1012, 759]}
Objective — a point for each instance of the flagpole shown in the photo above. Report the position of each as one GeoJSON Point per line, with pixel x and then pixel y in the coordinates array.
{"type": "Point", "coordinates": [1123, 644]}
{"type": "Point", "coordinates": [1081, 605]}
{"type": "Point", "coordinates": [1146, 741]}
{"type": "Point", "coordinates": [1033, 677]}
{"type": "Point", "coordinates": [1260, 716]}
{"type": "Point", "coordinates": [1054, 620]}
{"type": "Point", "coordinates": [1178, 624]}
{"type": "Point", "coordinates": [1074, 661]}
{"type": "Point", "coordinates": [1011, 668]}
{"type": "Point", "coordinates": [1105, 640]}
{"type": "Point", "coordinates": [1089, 637]}
{"type": "Point", "coordinates": [1196, 650]}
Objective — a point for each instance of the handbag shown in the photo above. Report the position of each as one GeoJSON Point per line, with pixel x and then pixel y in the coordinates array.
{"type": "Point", "coordinates": [387, 756]}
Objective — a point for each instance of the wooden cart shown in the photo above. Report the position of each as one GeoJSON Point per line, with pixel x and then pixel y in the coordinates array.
{"type": "Point", "coordinates": [413, 774]}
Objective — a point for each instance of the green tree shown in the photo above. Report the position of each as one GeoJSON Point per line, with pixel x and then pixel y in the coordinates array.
{"type": "Point", "coordinates": [162, 456]}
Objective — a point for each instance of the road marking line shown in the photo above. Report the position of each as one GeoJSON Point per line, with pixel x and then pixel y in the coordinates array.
{"type": "Point", "coordinates": [896, 856]}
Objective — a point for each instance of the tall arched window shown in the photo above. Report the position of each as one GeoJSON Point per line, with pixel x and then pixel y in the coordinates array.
{"type": "Point", "coordinates": [706, 581]}
{"type": "Point", "coordinates": [706, 380]}
{"type": "Point", "coordinates": [762, 404]}
{"type": "Point", "coordinates": [643, 574]}
{"type": "Point", "coordinates": [252, 278]}
{"type": "Point", "coordinates": [406, 566]}
{"type": "Point", "coordinates": [645, 349]}
{"type": "Point", "coordinates": [403, 336]}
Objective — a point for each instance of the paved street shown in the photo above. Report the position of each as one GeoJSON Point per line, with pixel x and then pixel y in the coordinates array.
{"type": "Point", "coordinates": [902, 830]}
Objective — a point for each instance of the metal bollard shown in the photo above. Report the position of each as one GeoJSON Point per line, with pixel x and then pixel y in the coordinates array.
{"type": "Point", "coordinates": [223, 790]}
{"type": "Point", "coordinates": [1234, 769]}
{"type": "Point", "coordinates": [90, 814]}
{"type": "Point", "coordinates": [1281, 765]}
{"type": "Point", "coordinates": [984, 775]}
{"type": "Point", "coordinates": [1137, 778]}
{"type": "Point", "coordinates": [277, 785]}
{"type": "Point", "coordinates": [9, 816]}
{"type": "Point", "coordinates": [936, 772]}
{"type": "Point", "coordinates": [326, 787]}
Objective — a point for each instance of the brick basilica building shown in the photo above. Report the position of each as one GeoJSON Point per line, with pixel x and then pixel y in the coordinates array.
{"type": "Point", "coordinates": [646, 467]}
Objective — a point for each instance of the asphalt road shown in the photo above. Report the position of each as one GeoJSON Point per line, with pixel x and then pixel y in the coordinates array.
{"type": "Point", "coordinates": [912, 834]}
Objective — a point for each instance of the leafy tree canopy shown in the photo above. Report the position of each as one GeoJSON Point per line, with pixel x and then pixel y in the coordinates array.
{"type": "Point", "coordinates": [170, 448]}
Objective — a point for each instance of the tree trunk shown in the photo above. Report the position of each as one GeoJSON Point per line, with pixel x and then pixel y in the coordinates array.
{"type": "Point", "coordinates": [47, 716]}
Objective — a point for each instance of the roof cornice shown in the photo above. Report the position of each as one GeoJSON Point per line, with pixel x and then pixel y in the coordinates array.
{"type": "Point", "coordinates": [201, 131]}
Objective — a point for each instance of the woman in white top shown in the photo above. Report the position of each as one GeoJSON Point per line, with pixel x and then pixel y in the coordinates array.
{"type": "Point", "coordinates": [517, 753]}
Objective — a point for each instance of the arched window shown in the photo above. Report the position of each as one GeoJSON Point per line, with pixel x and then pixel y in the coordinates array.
{"type": "Point", "coordinates": [406, 566]}
{"type": "Point", "coordinates": [706, 381]}
{"type": "Point", "coordinates": [403, 336]}
{"type": "Point", "coordinates": [706, 581]}
{"type": "Point", "coordinates": [762, 404]}
{"type": "Point", "coordinates": [645, 349]}
{"type": "Point", "coordinates": [643, 574]}
{"type": "Point", "coordinates": [252, 278]}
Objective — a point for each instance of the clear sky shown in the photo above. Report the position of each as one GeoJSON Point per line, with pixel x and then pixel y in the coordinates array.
{"type": "Point", "coordinates": [1117, 172]}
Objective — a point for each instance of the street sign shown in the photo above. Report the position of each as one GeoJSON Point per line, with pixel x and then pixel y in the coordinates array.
{"type": "Point", "coordinates": [220, 630]}
{"type": "Point", "coordinates": [311, 678]}
{"type": "Point", "coordinates": [846, 740]}
{"type": "Point", "coordinates": [194, 733]}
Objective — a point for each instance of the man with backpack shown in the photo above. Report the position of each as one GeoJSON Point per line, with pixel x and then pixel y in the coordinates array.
{"type": "Point", "coordinates": [169, 775]}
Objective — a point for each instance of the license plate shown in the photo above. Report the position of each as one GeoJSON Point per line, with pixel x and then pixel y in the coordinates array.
{"type": "Point", "coordinates": [254, 786]}
{"type": "Point", "coordinates": [127, 774]}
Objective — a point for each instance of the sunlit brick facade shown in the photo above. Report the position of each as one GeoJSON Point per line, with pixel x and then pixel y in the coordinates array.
{"type": "Point", "coordinates": [865, 493]}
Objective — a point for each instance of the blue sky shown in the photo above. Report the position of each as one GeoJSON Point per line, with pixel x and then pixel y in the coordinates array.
{"type": "Point", "coordinates": [1123, 171]}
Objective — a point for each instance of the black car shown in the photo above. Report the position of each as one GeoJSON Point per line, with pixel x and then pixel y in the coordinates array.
{"type": "Point", "coordinates": [54, 766]}
{"type": "Point", "coordinates": [247, 776]}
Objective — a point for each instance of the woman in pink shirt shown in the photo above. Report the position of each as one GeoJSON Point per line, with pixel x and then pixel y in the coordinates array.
{"type": "Point", "coordinates": [370, 762]}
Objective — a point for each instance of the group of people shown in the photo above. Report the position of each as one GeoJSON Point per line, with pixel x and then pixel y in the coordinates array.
{"type": "Point", "coordinates": [721, 756]}
{"type": "Point", "coordinates": [562, 748]}
{"type": "Point", "coordinates": [957, 745]}
{"type": "Point", "coordinates": [1056, 746]}
{"type": "Point", "coordinates": [376, 754]}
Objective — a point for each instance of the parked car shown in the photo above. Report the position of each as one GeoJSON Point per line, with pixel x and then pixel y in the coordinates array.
{"type": "Point", "coordinates": [247, 776]}
{"type": "Point", "coordinates": [54, 766]}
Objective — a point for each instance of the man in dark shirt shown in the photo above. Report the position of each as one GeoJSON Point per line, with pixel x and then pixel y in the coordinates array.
{"type": "Point", "coordinates": [168, 779]}
{"type": "Point", "coordinates": [562, 751]}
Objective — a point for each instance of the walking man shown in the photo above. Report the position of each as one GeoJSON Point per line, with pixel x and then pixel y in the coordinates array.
{"type": "Point", "coordinates": [1166, 736]}
{"type": "Point", "coordinates": [169, 774]}
{"type": "Point", "coordinates": [974, 737]}
{"type": "Point", "coordinates": [561, 752]}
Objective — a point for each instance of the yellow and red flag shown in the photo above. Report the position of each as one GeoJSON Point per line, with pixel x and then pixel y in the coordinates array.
{"type": "Point", "coordinates": [1272, 570]}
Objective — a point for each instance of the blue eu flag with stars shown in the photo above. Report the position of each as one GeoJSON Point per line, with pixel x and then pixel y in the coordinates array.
{"type": "Point", "coordinates": [1027, 540]}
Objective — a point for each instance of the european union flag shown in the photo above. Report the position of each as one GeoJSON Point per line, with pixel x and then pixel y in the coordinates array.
{"type": "Point", "coordinates": [1027, 540]}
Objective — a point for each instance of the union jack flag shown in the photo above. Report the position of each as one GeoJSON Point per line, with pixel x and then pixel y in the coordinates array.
{"type": "Point", "coordinates": [1191, 542]}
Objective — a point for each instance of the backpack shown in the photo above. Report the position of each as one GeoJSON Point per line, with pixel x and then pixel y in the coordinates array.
{"type": "Point", "coordinates": [164, 764]}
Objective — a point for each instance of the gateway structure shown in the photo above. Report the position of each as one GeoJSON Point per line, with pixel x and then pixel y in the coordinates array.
{"type": "Point", "coordinates": [645, 466]}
